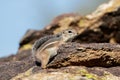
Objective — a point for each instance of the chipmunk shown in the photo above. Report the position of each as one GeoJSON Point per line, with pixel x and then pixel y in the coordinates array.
{"type": "Point", "coordinates": [46, 47]}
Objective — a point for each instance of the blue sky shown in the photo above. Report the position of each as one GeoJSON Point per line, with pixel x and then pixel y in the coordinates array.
{"type": "Point", "coordinates": [17, 16]}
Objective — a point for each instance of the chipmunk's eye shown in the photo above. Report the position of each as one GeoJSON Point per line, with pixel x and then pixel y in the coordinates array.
{"type": "Point", "coordinates": [58, 36]}
{"type": "Point", "coordinates": [69, 31]}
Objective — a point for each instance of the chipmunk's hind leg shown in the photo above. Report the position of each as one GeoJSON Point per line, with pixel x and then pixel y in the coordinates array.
{"type": "Point", "coordinates": [45, 59]}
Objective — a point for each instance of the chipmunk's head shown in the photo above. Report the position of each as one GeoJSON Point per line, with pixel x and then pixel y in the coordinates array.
{"type": "Point", "coordinates": [68, 34]}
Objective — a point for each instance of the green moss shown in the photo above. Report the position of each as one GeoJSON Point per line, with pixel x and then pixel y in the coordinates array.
{"type": "Point", "coordinates": [85, 73]}
{"type": "Point", "coordinates": [91, 76]}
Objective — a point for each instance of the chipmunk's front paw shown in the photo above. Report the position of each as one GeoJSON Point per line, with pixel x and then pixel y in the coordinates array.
{"type": "Point", "coordinates": [43, 66]}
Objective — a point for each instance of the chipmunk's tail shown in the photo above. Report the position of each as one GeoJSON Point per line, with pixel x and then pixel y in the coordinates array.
{"type": "Point", "coordinates": [33, 51]}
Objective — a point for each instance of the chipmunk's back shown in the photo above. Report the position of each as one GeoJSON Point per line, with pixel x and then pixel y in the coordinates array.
{"type": "Point", "coordinates": [41, 41]}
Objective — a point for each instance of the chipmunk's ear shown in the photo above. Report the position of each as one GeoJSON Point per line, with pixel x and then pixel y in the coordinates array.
{"type": "Point", "coordinates": [63, 31]}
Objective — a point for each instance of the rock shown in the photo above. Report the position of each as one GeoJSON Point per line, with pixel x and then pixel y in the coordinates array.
{"type": "Point", "coordinates": [21, 55]}
{"type": "Point", "coordinates": [11, 69]}
{"type": "Point", "coordinates": [71, 72]}
{"type": "Point", "coordinates": [94, 54]}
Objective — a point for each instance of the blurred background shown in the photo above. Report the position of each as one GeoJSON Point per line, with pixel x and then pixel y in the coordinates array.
{"type": "Point", "coordinates": [17, 16]}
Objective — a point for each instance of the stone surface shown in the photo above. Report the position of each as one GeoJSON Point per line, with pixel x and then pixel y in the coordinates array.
{"type": "Point", "coordinates": [71, 73]}
{"type": "Point", "coordinates": [94, 54]}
